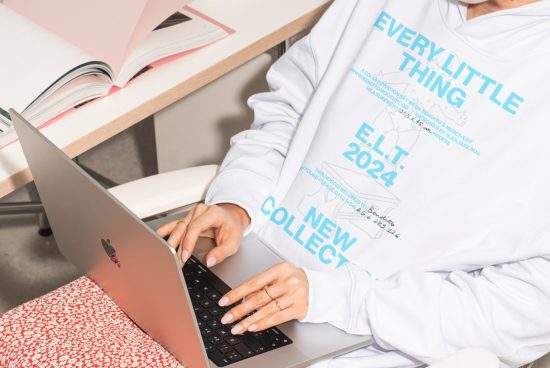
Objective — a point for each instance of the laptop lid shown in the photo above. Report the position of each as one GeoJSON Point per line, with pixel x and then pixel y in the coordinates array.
{"type": "Point", "coordinates": [113, 247]}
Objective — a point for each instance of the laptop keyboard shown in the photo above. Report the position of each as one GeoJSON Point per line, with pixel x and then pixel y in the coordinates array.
{"type": "Point", "coordinates": [223, 348]}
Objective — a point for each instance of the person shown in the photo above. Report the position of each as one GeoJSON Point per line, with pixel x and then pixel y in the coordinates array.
{"type": "Point", "coordinates": [398, 164]}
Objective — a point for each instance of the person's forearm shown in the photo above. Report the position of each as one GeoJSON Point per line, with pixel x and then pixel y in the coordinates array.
{"type": "Point", "coordinates": [427, 315]}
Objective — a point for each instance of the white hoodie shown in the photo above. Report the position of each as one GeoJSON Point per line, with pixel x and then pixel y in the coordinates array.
{"type": "Point", "coordinates": [401, 159]}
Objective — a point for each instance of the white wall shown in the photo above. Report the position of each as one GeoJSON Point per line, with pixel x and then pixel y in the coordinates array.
{"type": "Point", "coordinates": [196, 130]}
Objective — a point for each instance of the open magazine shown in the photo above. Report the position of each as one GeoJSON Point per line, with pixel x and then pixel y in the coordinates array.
{"type": "Point", "coordinates": [42, 74]}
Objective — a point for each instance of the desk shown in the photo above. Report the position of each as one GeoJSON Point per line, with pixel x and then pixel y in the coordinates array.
{"type": "Point", "coordinates": [260, 25]}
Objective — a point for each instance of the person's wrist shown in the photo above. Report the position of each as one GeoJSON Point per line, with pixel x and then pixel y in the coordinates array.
{"type": "Point", "coordinates": [239, 211]}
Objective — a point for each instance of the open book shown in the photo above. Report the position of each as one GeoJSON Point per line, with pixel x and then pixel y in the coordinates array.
{"type": "Point", "coordinates": [44, 73]}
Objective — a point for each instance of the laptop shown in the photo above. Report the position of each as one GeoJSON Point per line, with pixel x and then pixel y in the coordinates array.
{"type": "Point", "coordinates": [141, 273]}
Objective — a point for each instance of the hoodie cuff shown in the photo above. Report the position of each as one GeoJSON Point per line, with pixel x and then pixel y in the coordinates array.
{"type": "Point", "coordinates": [329, 297]}
{"type": "Point", "coordinates": [240, 188]}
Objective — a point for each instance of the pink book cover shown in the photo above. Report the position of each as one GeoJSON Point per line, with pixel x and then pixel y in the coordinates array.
{"type": "Point", "coordinates": [105, 29]}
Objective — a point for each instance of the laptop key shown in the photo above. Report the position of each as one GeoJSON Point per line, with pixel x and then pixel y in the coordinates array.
{"type": "Point", "coordinates": [214, 295]}
{"type": "Point", "coordinates": [216, 283]}
{"type": "Point", "coordinates": [205, 288]}
{"type": "Point", "coordinates": [209, 348]}
{"type": "Point", "coordinates": [196, 282]}
{"type": "Point", "coordinates": [205, 316]}
{"type": "Point", "coordinates": [232, 340]}
{"type": "Point", "coordinates": [216, 311]}
{"type": "Point", "coordinates": [223, 332]}
{"type": "Point", "coordinates": [206, 330]}
{"type": "Point", "coordinates": [264, 339]}
{"type": "Point", "coordinates": [215, 339]}
{"type": "Point", "coordinates": [224, 348]}
{"type": "Point", "coordinates": [197, 295]}
{"type": "Point", "coordinates": [276, 342]}
{"type": "Point", "coordinates": [215, 324]}
{"type": "Point", "coordinates": [218, 358]}
{"type": "Point", "coordinates": [244, 350]}
{"type": "Point", "coordinates": [234, 356]}
{"type": "Point", "coordinates": [206, 303]}
{"type": "Point", "coordinates": [278, 338]}
{"type": "Point", "coordinates": [251, 341]}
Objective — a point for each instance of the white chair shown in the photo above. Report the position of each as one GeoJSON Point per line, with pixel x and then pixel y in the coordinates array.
{"type": "Point", "coordinates": [470, 358]}
{"type": "Point", "coordinates": [175, 190]}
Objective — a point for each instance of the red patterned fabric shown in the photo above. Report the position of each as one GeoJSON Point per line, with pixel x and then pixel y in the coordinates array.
{"type": "Point", "coordinates": [77, 325]}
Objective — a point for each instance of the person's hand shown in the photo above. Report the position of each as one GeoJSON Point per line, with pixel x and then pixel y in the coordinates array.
{"type": "Point", "coordinates": [278, 295]}
{"type": "Point", "coordinates": [228, 222]}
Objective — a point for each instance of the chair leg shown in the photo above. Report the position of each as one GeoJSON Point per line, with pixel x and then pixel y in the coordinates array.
{"type": "Point", "coordinates": [44, 228]}
{"type": "Point", "coordinates": [35, 206]}
{"type": "Point", "coordinates": [32, 207]}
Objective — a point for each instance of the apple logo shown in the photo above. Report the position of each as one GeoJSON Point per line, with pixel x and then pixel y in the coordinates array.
{"type": "Point", "coordinates": [111, 252]}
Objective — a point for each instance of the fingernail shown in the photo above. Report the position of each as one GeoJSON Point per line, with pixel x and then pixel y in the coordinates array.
{"type": "Point", "coordinates": [184, 255]}
{"type": "Point", "coordinates": [253, 327]}
{"type": "Point", "coordinates": [223, 301]}
{"type": "Point", "coordinates": [211, 262]}
{"type": "Point", "coordinates": [235, 330]}
{"type": "Point", "coordinates": [227, 318]}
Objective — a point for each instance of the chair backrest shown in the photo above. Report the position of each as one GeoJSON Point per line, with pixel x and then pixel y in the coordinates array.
{"type": "Point", "coordinates": [167, 191]}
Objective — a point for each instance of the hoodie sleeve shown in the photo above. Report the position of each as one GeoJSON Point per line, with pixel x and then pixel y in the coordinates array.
{"type": "Point", "coordinates": [427, 315]}
{"type": "Point", "coordinates": [253, 164]}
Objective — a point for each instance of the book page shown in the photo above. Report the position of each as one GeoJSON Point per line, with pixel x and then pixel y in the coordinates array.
{"type": "Point", "coordinates": [154, 13]}
{"type": "Point", "coordinates": [105, 29]}
{"type": "Point", "coordinates": [182, 31]}
{"type": "Point", "coordinates": [32, 60]}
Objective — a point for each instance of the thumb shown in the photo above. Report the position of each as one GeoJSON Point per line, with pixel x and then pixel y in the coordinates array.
{"type": "Point", "coordinates": [224, 249]}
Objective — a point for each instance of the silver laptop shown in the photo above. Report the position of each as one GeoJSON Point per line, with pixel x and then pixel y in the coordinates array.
{"type": "Point", "coordinates": [141, 273]}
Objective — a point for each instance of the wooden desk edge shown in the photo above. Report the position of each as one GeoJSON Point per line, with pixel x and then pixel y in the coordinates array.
{"type": "Point", "coordinates": [174, 94]}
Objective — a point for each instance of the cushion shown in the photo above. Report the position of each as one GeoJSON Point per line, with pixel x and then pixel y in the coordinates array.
{"type": "Point", "coordinates": [77, 325]}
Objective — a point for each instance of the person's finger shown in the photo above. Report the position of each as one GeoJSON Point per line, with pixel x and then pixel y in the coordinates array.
{"type": "Point", "coordinates": [274, 313]}
{"type": "Point", "coordinates": [184, 255]}
{"type": "Point", "coordinates": [273, 320]}
{"type": "Point", "coordinates": [252, 285]}
{"type": "Point", "coordinates": [209, 233]}
{"type": "Point", "coordinates": [202, 220]}
{"type": "Point", "coordinates": [166, 229]}
{"type": "Point", "coordinates": [177, 232]}
{"type": "Point", "coordinates": [254, 302]}
{"type": "Point", "coordinates": [227, 244]}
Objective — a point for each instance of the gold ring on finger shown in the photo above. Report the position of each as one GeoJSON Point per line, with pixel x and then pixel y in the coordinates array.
{"type": "Point", "coordinates": [278, 305]}
{"type": "Point", "coordinates": [267, 292]}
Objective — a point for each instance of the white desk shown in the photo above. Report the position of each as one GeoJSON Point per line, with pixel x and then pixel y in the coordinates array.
{"type": "Point", "coordinates": [259, 25]}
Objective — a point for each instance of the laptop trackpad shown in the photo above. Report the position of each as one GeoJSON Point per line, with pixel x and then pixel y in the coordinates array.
{"type": "Point", "coordinates": [252, 258]}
